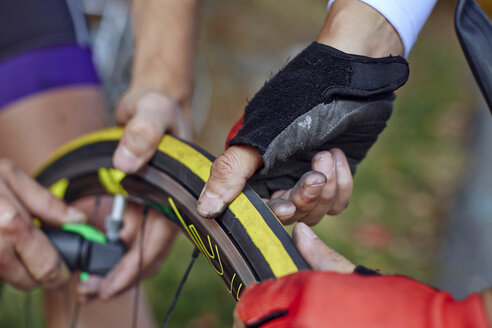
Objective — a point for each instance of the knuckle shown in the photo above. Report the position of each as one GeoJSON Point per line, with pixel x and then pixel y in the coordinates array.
{"type": "Point", "coordinates": [51, 272]}
{"type": "Point", "coordinates": [223, 166]}
{"type": "Point", "coordinates": [11, 222]}
{"type": "Point", "coordinates": [336, 209]}
{"type": "Point", "coordinates": [52, 204]}
{"type": "Point", "coordinates": [26, 285]}
{"type": "Point", "coordinates": [327, 195]}
{"type": "Point", "coordinates": [146, 132]}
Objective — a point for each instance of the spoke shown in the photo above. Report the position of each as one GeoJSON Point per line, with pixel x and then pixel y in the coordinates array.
{"type": "Point", "coordinates": [181, 284]}
{"type": "Point", "coordinates": [95, 214]}
{"type": "Point", "coordinates": [139, 272]}
{"type": "Point", "coordinates": [68, 304]}
{"type": "Point", "coordinates": [3, 304]}
{"type": "Point", "coordinates": [75, 315]}
{"type": "Point", "coordinates": [28, 306]}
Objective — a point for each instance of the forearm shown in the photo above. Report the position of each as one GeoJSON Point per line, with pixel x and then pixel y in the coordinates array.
{"type": "Point", "coordinates": [371, 36]}
{"type": "Point", "coordinates": [164, 47]}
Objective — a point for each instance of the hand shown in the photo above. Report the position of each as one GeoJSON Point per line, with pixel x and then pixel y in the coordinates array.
{"type": "Point", "coordinates": [147, 114]}
{"type": "Point", "coordinates": [158, 238]}
{"type": "Point", "coordinates": [325, 189]}
{"type": "Point", "coordinates": [317, 254]}
{"type": "Point", "coordinates": [27, 257]}
{"type": "Point", "coordinates": [336, 297]}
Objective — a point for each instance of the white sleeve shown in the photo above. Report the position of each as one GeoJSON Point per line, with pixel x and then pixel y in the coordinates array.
{"type": "Point", "coordinates": [407, 16]}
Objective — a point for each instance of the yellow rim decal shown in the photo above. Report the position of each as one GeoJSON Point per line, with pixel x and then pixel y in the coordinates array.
{"type": "Point", "coordinates": [59, 188]}
{"type": "Point", "coordinates": [111, 180]}
{"type": "Point", "coordinates": [260, 233]}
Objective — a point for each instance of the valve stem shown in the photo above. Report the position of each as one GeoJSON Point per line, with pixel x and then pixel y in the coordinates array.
{"type": "Point", "coordinates": [114, 221]}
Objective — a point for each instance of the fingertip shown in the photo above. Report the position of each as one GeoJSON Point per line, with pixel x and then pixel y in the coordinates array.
{"type": "Point", "coordinates": [283, 209]}
{"type": "Point", "coordinates": [90, 286]}
{"type": "Point", "coordinates": [75, 215]}
{"type": "Point", "coordinates": [125, 160]}
{"type": "Point", "coordinates": [314, 178]}
{"type": "Point", "coordinates": [302, 232]}
{"type": "Point", "coordinates": [209, 204]}
{"type": "Point", "coordinates": [324, 162]}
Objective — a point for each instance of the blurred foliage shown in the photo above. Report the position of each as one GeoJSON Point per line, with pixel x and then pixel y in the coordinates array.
{"type": "Point", "coordinates": [403, 188]}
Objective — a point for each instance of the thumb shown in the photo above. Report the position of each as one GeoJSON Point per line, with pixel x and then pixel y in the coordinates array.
{"type": "Point", "coordinates": [153, 114]}
{"type": "Point", "coordinates": [228, 176]}
{"type": "Point", "coordinates": [317, 254]}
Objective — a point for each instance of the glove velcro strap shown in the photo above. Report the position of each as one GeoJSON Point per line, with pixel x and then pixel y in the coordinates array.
{"type": "Point", "coordinates": [362, 270]}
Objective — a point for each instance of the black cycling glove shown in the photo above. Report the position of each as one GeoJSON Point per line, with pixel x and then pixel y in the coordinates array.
{"type": "Point", "coordinates": [323, 98]}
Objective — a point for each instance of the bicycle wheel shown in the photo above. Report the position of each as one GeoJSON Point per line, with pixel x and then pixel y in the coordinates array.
{"type": "Point", "coordinates": [245, 244]}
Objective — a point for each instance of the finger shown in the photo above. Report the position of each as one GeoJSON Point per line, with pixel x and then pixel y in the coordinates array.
{"type": "Point", "coordinates": [28, 240]}
{"type": "Point", "coordinates": [282, 208]}
{"type": "Point", "coordinates": [323, 162]}
{"type": "Point", "coordinates": [306, 193]}
{"type": "Point", "coordinates": [317, 254]}
{"type": "Point", "coordinates": [278, 194]}
{"type": "Point", "coordinates": [38, 200]}
{"type": "Point", "coordinates": [7, 196]}
{"type": "Point", "coordinates": [132, 217]}
{"type": "Point", "coordinates": [153, 115]}
{"type": "Point", "coordinates": [89, 289]}
{"type": "Point", "coordinates": [237, 321]}
{"type": "Point", "coordinates": [228, 176]}
{"type": "Point", "coordinates": [12, 270]}
{"type": "Point", "coordinates": [345, 183]}
{"type": "Point", "coordinates": [159, 236]}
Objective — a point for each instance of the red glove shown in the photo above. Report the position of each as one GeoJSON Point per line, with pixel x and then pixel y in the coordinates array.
{"type": "Point", "coordinates": [328, 299]}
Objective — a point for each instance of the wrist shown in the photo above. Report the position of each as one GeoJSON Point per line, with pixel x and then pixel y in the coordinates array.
{"type": "Point", "coordinates": [164, 34]}
{"type": "Point", "coordinates": [157, 77]}
{"type": "Point", "coordinates": [372, 36]}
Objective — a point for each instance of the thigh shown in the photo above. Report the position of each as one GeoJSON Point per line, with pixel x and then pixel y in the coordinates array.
{"type": "Point", "coordinates": [50, 94]}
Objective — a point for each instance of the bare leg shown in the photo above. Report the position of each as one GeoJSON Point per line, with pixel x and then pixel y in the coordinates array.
{"type": "Point", "coordinates": [32, 128]}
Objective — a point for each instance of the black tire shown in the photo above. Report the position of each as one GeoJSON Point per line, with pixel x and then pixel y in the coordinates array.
{"type": "Point", "coordinates": [245, 244]}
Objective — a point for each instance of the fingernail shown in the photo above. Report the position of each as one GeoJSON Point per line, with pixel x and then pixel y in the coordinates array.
{"type": "Point", "coordinates": [282, 208]}
{"type": "Point", "coordinates": [307, 231]}
{"type": "Point", "coordinates": [209, 204]}
{"type": "Point", "coordinates": [327, 161]}
{"type": "Point", "coordinates": [125, 160]}
{"type": "Point", "coordinates": [339, 158]}
{"type": "Point", "coordinates": [75, 215]}
{"type": "Point", "coordinates": [313, 191]}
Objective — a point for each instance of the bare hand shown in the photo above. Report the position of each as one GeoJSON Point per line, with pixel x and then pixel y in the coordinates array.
{"type": "Point", "coordinates": [147, 115]}
{"type": "Point", "coordinates": [325, 190]}
{"type": "Point", "coordinates": [158, 238]}
{"type": "Point", "coordinates": [27, 257]}
{"type": "Point", "coordinates": [317, 254]}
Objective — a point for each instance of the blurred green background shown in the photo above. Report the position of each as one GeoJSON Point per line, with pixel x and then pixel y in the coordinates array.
{"type": "Point", "coordinates": [403, 189]}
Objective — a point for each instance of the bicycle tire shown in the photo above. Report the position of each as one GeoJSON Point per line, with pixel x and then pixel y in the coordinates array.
{"type": "Point", "coordinates": [245, 244]}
